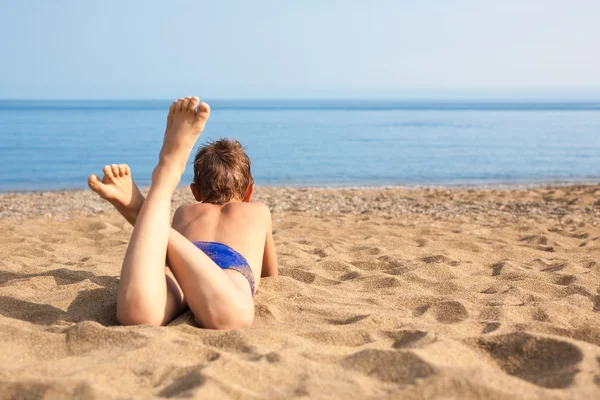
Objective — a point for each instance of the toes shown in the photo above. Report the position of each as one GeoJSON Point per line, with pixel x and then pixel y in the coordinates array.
{"type": "Point", "coordinates": [115, 170]}
{"type": "Point", "coordinates": [107, 171]}
{"type": "Point", "coordinates": [193, 103]}
{"type": "Point", "coordinates": [176, 106]}
{"type": "Point", "coordinates": [127, 170]}
{"type": "Point", "coordinates": [94, 182]}
{"type": "Point", "coordinates": [203, 112]}
{"type": "Point", "coordinates": [121, 170]}
{"type": "Point", "coordinates": [179, 106]}
{"type": "Point", "coordinates": [185, 103]}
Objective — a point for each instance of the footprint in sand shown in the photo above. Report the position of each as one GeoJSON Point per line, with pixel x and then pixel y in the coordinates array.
{"type": "Point", "coordinates": [350, 275]}
{"type": "Point", "coordinates": [507, 270]}
{"type": "Point", "coordinates": [535, 239]}
{"type": "Point", "coordinates": [348, 321]}
{"type": "Point", "coordinates": [273, 357]}
{"type": "Point", "coordinates": [307, 277]}
{"type": "Point", "coordinates": [340, 338]}
{"type": "Point", "coordinates": [402, 367]}
{"type": "Point", "coordinates": [26, 389]}
{"type": "Point", "coordinates": [450, 312]}
{"type": "Point", "coordinates": [490, 327]}
{"type": "Point", "coordinates": [421, 242]}
{"type": "Point", "coordinates": [388, 264]}
{"type": "Point", "coordinates": [492, 313]}
{"type": "Point", "coordinates": [497, 267]}
{"type": "Point", "coordinates": [319, 252]}
{"type": "Point", "coordinates": [563, 280]}
{"type": "Point", "coordinates": [29, 252]}
{"type": "Point", "coordinates": [439, 258]}
{"type": "Point", "coordinates": [189, 379]}
{"type": "Point", "coordinates": [264, 314]}
{"type": "Point", "coordinates": [332, 265]}
{"type": "Point", "coordinates": [13, 240]}
{"type": "Point", "coordinates": [381, 283]}
{"type": "Point", "coordinates": [411, 339]}
{"type": "Point", "coordinates": [555, 267]}
{"type": "Point", "coordinates": [574, 234]}
{"type": "Point", "coordinates": [90, 336]}
{"type": "Point", "coordinates": [544, 362]}
{"type": "Point", "coordinates": [596, 301]}
{"type": "Point", "coordinates": [365, 250]}
{"type": "Point", "coordinates": [417, 312]}
{"type": "Point", "coordinates": [446, 312]}
{"type": "Point", "coordinates": [232, 341]}
{"type": "Point", "coordinates": [540, 315]}
{"type": "Point", "coordinates": [48, 247]}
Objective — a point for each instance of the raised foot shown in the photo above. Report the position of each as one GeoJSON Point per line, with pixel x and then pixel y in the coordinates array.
{"type": "Point", "coordinates": [186, 121]}
{"type": "Point", "coordinates": [118, 188]}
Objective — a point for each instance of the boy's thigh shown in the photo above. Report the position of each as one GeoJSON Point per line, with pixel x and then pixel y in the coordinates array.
{"type": "Point", "coordinates": [175, 300]}
{"type": "Point", "coordinates": [240, 282]}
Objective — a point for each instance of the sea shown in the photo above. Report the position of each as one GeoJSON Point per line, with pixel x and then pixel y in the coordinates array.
{"type": "Point", "coordinates": [55, 145]}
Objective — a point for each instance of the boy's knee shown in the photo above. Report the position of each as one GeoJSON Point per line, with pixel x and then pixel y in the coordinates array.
{"type": "Point", "coordinates": [234, 320]}
{"type": "Point", "coordinates": [245, 320]}
{"type": "Point", "coordinates": [128, 316]}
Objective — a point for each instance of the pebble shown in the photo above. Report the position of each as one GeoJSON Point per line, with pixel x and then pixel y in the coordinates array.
{"type": "Point", "coordinates": [512, 204]}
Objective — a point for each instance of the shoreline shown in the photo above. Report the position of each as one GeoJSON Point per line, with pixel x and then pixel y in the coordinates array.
{"type": "Point", "coordinates": [500, 185]}
{"type": "Point", "coordinates": [580, 201]}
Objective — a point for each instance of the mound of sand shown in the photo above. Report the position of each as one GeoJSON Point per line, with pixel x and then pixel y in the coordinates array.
{"type": "Point", "coordinates": [423, 293]}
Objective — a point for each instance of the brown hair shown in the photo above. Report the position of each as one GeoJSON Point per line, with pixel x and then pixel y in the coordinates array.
{"type": "Point", "coordinates": [222, 171]}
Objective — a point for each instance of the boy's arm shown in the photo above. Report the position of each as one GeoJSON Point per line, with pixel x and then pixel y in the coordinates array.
{"type": "Point", "coordinates": [269, 264]}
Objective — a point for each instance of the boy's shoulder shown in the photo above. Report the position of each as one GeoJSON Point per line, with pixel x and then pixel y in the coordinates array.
{"type": "Point", "coordinates": [254, 207]}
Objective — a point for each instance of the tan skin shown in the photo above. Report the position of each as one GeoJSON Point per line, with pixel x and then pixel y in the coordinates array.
{"type": "Point", "coordinates": [149, 292]}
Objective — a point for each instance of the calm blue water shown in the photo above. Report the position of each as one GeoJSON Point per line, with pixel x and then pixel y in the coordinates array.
{"type": "Point", "coordinates": [57, 144]}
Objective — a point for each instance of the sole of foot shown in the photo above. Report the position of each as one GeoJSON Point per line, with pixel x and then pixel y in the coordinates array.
{"type": "Point", "coordinates": [118, 188]}
{"type": "Point", "coordinates": [185, 122]}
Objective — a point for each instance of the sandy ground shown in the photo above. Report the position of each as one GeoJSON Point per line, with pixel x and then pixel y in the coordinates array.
{"type": "Point", "coordinates": [386, 293]}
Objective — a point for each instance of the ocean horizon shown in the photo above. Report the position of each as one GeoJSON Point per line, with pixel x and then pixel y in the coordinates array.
{"type": "Point", "coordinates": [56, 144]}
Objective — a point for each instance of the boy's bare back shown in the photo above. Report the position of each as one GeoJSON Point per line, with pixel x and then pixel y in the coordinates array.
{"type": "Point", "coordinates": [243, 226]}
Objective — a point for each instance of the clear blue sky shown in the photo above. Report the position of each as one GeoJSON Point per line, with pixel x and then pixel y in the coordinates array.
{"type": "Point", "coordinates": [285, 48]}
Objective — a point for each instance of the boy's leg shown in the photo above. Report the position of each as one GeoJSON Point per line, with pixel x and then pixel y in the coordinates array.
{"type": "Point", "coordinates": [217, 298]}
{"type": "Point", "coordinates": [118, 188]}
{"type": "Point", "coordinates": [142, 296]}
{"type": "Point", "coordinates": [215, 302]}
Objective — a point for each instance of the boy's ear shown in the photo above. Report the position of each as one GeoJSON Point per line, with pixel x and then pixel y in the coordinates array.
{"type": "Point", "coordinates": [195, 192]}
{"type": "Point", "coordinates": [248, 194]}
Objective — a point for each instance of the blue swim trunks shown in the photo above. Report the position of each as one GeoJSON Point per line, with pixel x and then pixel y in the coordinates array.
{"type": "Point", "coordinates": [227, 258]}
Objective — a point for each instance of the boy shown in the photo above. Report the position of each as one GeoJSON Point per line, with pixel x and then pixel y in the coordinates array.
{"type": "Point", "coordinates": [216, 250]}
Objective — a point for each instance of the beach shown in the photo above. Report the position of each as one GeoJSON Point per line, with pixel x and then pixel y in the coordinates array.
{"type": "Point", "coordinates": [383, 293]}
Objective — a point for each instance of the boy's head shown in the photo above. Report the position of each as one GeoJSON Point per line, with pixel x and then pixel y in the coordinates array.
{"type": "Point", "coordinates": [222, 173]}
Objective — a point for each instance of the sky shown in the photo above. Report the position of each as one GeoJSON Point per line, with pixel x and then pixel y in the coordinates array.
{"type": "Point", "coordinates": [114, 49]}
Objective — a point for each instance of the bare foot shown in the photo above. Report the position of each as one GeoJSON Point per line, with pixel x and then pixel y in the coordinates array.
{"type": "Point", "coordinates": [184, 126]}
{"type": "Point", "coordinates": [118, 188]}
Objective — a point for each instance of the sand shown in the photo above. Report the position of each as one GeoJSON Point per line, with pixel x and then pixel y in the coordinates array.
{"type": "Point", "coordinates": [383, 293]}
